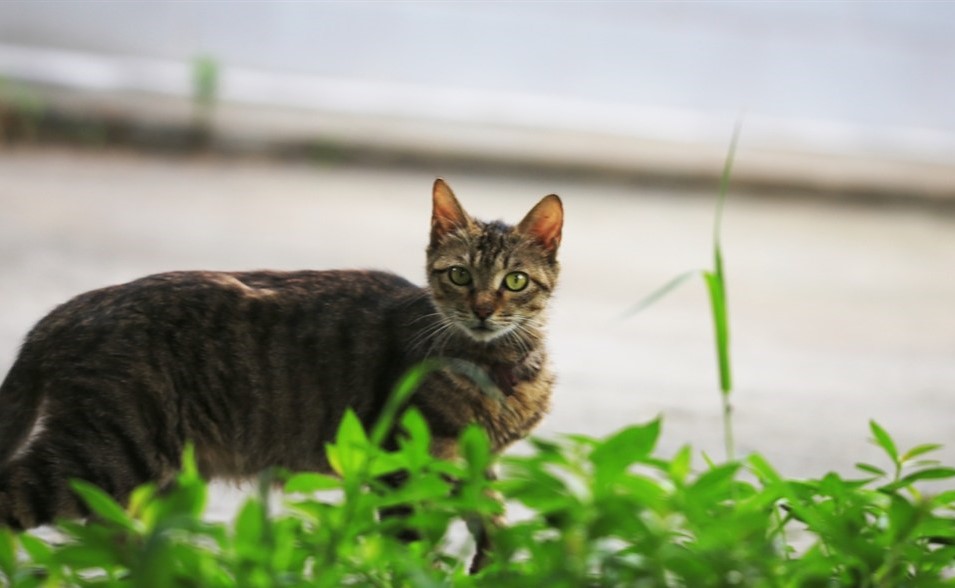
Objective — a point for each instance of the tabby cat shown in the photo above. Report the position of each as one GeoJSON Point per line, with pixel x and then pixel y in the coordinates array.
{"type": "Point", "coordinates": [257, 368]}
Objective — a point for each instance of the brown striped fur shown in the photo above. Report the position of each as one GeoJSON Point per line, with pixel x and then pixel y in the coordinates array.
{"type": "Point", "coordinates": [257, 368]}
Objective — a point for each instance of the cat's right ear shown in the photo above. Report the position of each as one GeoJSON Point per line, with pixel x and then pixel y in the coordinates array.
{"type": "Point", "coordinates": [446, 213]}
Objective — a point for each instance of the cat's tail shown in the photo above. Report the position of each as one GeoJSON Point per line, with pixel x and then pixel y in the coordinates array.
{"type": "Point", "coordinates": [20, 399]}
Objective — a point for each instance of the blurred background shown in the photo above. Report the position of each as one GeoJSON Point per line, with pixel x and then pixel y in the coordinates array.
{"type": "Point", "coordinates": [140, 137]}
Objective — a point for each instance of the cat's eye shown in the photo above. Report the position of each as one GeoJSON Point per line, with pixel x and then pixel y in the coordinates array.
{"type": "Point", "coordinates": [459, 276]}
{"type": "Point", "coordinates": [515, 281]}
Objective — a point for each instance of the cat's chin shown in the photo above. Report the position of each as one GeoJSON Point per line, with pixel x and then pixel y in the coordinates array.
{"type": "Point", "coordinates": [485, 333]}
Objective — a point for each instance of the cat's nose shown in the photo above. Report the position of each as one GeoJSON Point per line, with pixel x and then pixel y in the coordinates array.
{"type": "Point", "coordinates": [483, 311]}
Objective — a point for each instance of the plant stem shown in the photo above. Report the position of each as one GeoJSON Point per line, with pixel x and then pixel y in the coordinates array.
{"type": "Point", "coordinates": [728, 439]}
{"type": "Point", "coordinates": [716, 282]}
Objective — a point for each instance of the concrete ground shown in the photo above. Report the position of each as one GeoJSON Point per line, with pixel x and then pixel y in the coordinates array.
{"type": "Point", "coordinates": [839, 312]}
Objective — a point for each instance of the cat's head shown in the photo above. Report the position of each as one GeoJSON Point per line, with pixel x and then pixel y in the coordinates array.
{"type": "Point", "coordinates": [491, 280]}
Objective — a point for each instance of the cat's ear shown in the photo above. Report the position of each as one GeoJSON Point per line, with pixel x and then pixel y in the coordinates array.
{"type": "Point", "coordinates": [544, 223]}
{"type": "Point", "coordinates": [446, 213]}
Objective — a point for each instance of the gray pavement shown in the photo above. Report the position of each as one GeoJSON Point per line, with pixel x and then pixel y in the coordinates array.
{"type": "Point", "coordinates": [839, 313]}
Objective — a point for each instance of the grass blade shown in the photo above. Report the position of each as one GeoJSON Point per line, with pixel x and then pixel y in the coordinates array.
{"type": "Point", "coordinates": [716, 285]}
{"type": "Point", "coordinates": [659, 293]}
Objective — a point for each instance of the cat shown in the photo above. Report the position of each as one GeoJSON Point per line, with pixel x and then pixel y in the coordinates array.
{"type": "Point", "coordinates": [256, 369]}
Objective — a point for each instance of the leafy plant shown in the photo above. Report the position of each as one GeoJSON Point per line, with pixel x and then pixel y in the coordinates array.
{"type": "Point", "coordinates": [599, 512]}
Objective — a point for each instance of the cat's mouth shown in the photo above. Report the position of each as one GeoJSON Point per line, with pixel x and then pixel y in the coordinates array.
{"type": "Point", "coordinates": [484, 331]}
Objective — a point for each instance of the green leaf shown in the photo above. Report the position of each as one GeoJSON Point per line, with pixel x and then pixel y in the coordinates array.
{"type": "Point", "coordinates": [424, 487]}
{"type": "Point", "coordinates": [401, 394]}
{"type": "Point", "coordinates": [926, 474]}
{"type": "Point", "coordinates": [310, 482]}
{"type": "Point", "coordinates": [659, 293]}
{"type": "Point", "coordinates": [714, 483]}
{"type": "Point", "coordinates": [86, 556]}
{"type": "Point", "coordinates": [716, 287]}
{"type": "Point", "coordinates": [476, 449]}
{"type": "Point", "coordinates": [38, 549]}
{"type": "Point", "coordinates": [102, 504]}
{"type": "Point", "coordinates": [415, 442]}
{"type": "Point", "coordinates": [902, 517]}
{"type": "Point", "coordinates": [944, 498]}
{"type": "Point", "coordinates": [870, 469]}
{"type": "Point", "coordinates": [884, 441]}
{"type": "Point", "coordinates": [919, 450]}
{"type": "Point", "coordinates": [182, 501]}
{"type": "Point", "coordinates": [716, 279]}
{"type": "Point", "coordinates": [681, 464]}
{"type": "Point", "coordinates": [763, 470]}
{"type": "Point", "coordinates": [8, 553]}
{"type": "Point", "coordinates": [350, 452]}
{"type": "Point", "coordinates": [350, 431]}
{"type": "Point", "coordinates": [625, 447]}
{"type": "Point", "coordinates": [249, 530]}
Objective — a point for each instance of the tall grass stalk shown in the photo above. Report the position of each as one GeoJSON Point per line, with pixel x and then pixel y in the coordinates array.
{"type": "Point", "coordinates": [715, 280]}
{"type": "Point", "coordinates": [716, 284]}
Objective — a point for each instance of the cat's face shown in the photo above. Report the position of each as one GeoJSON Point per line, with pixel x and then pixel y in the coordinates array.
{"type": "Point", "coordinates": [491, 280]}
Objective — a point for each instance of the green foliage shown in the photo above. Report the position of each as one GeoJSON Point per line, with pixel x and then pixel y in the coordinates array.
{"type": "Point", "coordinates": [598, 512]}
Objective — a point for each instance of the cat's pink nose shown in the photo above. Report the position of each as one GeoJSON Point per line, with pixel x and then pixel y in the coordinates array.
{"type": "Point", "coordinates": [482, 311]}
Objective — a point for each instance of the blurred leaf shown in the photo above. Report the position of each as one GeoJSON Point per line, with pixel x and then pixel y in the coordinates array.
{"type": "Point", "coordinates": [38, 549]}
{"type": "Point", "coordinates": [102, 504]}
{"type": "Point", "coordinates": [902, 517]}
{"type": "Point", "coordinates": [763, 470]}
{"type": "Point", "coordinates": [8, 553]}
{"type": "Point", "coordinates": [659, 293]}
{"type": "Point", "coordinates": [944, 498]}
{"type": "Point", "coordinates": [717, 290]}
{"type": "Point", "coordinates": [714, 483]}
{"type": "Point", "coordinates": [884, 441]}
{"type": "Point", "coordinates": [349, 454]}
{"type": "Point", "coordinates": [249, 530]}
{"type": "Point", "coordinates": [182, 501]}
{"type": "Point", "coordinates": [625, 447]}
{"type": "Point", "coordinates": [476, 450]}
{"type": "Point", "coordinates": [416, 439]}
{"type": "Point", "coordinates": [871, 469]}
{"type": "Point", "coordinates": [309, 483]}
{"type": "Point", "coordinates": [424, 487]}
{"type": "Point", "coordinates": [681, 464]}
{"type": "Point", "coordinates": [919, 450]}
{"type": "Point", "coordinates": [402, 392]}
{"type": "Point", "coordinates": [927, 474]}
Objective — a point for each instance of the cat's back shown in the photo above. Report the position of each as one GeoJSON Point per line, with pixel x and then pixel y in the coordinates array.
{"type": "Point", "coordinates": [191, 297]}
{"type": "Point", "coordinates": [192, 312]}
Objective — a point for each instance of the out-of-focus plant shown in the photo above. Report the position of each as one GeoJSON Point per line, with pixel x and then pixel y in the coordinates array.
{"type": "Point", "coordinates": [21, 112]}
{"type": "Point", "coordinates": [599, 512]}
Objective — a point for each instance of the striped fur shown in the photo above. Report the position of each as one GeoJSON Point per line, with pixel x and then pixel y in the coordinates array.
{"type": "Point", "coordinates": [257, 368]}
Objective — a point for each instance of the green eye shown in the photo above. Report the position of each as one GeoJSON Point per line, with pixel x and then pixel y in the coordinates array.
{"type": "Point", "coordinates": [515, 281]}
{"type": "Point", "coordinates": [459, 276]}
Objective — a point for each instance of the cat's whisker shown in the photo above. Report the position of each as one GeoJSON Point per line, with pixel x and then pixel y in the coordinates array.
{"type": "Point", "coordinates": [427, 331]}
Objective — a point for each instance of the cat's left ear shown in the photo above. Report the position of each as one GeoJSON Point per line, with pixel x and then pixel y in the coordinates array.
{"type": "Point", "coordinates": [446, 214]}
{"type": "Point", "coordinates": [544, 223]}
